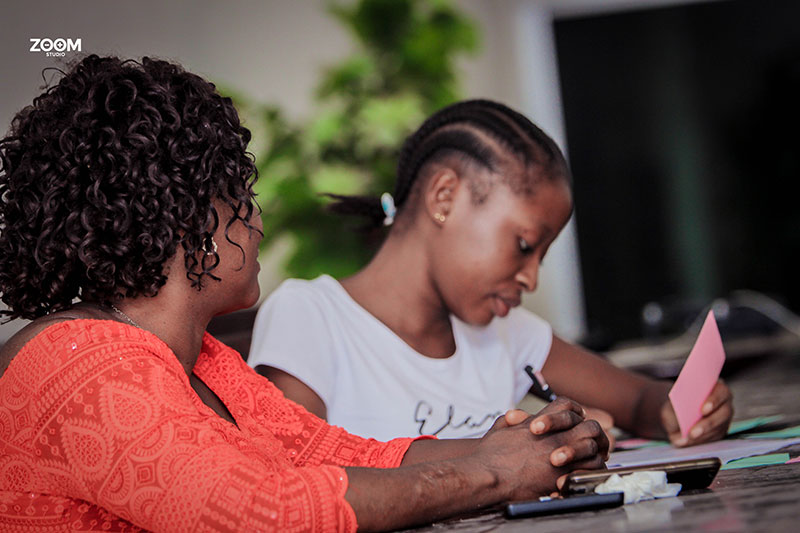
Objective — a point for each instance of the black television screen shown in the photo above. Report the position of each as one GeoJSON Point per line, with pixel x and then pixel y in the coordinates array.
{"type": "Point", "coordinates": [683, 135]}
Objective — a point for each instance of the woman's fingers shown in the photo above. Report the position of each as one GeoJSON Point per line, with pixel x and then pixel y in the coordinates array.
{"type": "Point", "coordinates": [558, 415]}
{"type": "Point", "coordinates": [557, 421]}
{"type": "Point", "coordinates": [593, 463]}
{"type": "Point", "coordinates": [574, 451]}
{"type": "Point", "coordinates": [563, 403]}
{"type": "Point", "coordinates": [586, 441]}
{"type": "Point", "coordinates": [515, 416]}
{"type": "Point", "coordinates": [512, 417]}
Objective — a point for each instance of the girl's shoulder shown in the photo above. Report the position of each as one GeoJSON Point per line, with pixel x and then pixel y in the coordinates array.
{"type": "Point", "coordinates": [323, 295]}
{"type": "Point", "coordinates": [309, 288]}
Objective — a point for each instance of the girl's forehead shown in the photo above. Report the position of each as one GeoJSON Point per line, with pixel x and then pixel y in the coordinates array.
{"type": "Point", "coordinates": [537, 191]}
{"type": "Point", "coordinates": [525, 177]}
{"type": "Point", "coordinates": [548, 203]}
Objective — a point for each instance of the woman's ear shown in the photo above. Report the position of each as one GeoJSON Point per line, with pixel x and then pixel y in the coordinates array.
{"type": "Point", "coordinates": [439, 194]}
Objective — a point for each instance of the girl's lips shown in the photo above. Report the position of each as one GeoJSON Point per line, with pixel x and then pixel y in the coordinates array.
{"type": "Point", "coordinates": [500, 306]}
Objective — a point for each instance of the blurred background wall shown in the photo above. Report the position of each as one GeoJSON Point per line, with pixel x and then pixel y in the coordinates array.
{"type": "Point", "coordinates": [273, 51]}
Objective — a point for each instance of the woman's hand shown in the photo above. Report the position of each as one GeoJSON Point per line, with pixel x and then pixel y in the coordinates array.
{"type": "Point", "coordinates": [717, 414]}
{"type": "Point", "coordinates": [529, 453]}
{"type": "Point", "coordinates": [521, 457]}
{"type": "Point", "coordinates": [551, 419]}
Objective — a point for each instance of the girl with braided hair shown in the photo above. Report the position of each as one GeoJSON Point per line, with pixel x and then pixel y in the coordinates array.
{"type": "Point", "coordinates": [428, 338]}
{"type": "Point", "coordinates": [127, 221]}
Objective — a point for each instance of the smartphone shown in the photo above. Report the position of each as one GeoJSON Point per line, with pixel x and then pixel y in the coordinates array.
{"type": "Point", "coordinates": [692, 474]}
{"type": "Point", "coordinates": [564, 505]}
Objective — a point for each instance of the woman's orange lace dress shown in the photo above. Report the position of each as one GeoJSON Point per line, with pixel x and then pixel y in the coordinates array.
{"type": "Point", "coordinates": [101, 431]}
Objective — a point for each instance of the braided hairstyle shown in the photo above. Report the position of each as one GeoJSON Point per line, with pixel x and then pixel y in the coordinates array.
{"type": "Point", "coordinates": [462, 130]}
{"type": "Point", "coordinates": [106, 174]}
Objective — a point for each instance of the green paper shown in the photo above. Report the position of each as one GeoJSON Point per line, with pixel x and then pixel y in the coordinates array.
{"type": "Point", "coordinates": [750, 423]}
{"type": "Point", "coordinates": [758, 460]}
{"type": "Point", "coordinates": [785, 433]}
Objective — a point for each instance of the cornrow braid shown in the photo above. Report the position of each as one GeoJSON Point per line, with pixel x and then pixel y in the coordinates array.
{"type": "Point", "coordinates": [366, 207]}
{"type": "Point", "coordinates": [455, 130]}
{"type": "Point", "coordinates": [534, 132]}
{"type": "Point", "coordinates": [442, 141]}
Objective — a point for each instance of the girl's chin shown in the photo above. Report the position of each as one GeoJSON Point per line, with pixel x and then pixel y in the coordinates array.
{"type": "Point", "coordinates": [476, 315]}
{"type": "Point", "coordinates": [480, 318]}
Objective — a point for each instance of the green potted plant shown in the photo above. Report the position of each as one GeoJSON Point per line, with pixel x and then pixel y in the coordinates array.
{"type": "Point", "coordinates": [403, 70]}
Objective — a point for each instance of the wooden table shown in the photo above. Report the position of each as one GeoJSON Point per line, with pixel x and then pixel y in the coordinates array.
{"type": "Point", "coordinates": [749, 499]}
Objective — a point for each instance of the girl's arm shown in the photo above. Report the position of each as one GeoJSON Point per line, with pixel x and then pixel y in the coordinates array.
{"type": "Point", "coordinates": [295, 390]}
{"type": "Point", "coordinates": [638, 404]}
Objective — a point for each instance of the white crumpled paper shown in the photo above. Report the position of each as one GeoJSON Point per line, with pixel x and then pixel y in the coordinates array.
{"type": "Point", "coordinates": [640, 486]}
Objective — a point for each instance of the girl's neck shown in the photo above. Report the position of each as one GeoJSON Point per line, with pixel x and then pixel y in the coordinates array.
{"type": "Point", "coordinates": [395, 287]}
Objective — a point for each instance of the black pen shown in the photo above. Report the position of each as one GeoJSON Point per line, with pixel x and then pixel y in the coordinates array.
{"type": "Point", "coordinates": [540, 388]}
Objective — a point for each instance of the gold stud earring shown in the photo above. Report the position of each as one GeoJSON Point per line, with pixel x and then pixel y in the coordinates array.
{"type": "Point", "coordinates": [440, 217]}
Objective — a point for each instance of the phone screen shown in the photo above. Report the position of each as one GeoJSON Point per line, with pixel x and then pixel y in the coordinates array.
{"type": "Point", "coordinates": [691, 474]}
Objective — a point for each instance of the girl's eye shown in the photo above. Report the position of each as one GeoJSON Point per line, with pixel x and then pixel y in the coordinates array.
{"type": "Point", "coordinates": [524, 247]}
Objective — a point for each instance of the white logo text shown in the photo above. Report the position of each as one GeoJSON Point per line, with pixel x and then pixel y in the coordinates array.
{"type": "Point", "coordinates": [55, 47]}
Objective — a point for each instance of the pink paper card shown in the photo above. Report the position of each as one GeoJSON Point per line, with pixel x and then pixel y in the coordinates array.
{"type": "Point", "coordinates": [699, 375]}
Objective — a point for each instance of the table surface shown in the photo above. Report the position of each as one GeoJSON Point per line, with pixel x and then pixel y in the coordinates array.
{"type": "Point", "coordinates": [763, 498]}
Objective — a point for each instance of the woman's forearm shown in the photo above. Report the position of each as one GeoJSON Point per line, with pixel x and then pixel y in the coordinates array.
{"type": "Point", "coordinates": [422, 493]}
{"type": "Point", "coordinates": [427, 450]}
{"type": "Point", "coordinates": [520, 457]}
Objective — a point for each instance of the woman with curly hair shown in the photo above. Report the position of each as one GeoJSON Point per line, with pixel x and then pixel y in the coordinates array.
{"type": "Point", "coordinates": [127, 221]}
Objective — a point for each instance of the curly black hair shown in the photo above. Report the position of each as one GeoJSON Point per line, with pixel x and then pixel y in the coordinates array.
{"type": "Point", "coordinates": [106, 174]}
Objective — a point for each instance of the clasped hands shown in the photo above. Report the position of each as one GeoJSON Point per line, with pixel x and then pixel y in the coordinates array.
{"type": "Point", "coordinates": [534, 453]}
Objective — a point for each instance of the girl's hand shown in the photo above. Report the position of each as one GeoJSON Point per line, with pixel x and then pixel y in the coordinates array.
{"type": "Point", "coordinates": [717, 414]}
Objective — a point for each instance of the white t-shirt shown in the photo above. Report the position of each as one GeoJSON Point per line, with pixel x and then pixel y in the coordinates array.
{"type": "Point", "coordinates": [375, 385]}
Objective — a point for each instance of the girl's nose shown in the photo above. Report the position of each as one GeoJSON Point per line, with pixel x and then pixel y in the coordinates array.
{"type": "Point", "coordinates": [528, 276]}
